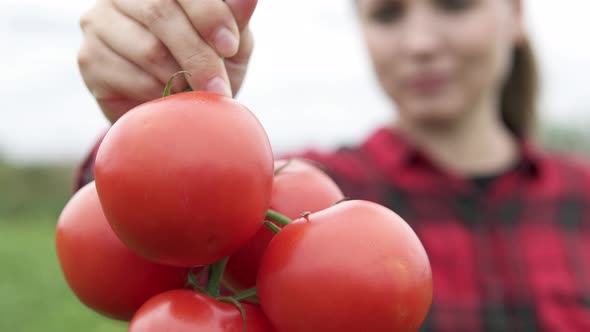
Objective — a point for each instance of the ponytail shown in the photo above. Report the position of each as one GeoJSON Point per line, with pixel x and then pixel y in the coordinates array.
{"type": "Point", "coordinates": [519, 94]}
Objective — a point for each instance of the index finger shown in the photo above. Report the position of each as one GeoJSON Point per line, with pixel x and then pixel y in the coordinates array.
{"type": "Point", "coordinates": [169, 23]}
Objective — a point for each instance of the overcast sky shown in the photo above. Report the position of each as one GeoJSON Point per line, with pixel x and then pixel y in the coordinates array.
{"type": "Point", "coordinates": [309, 80]}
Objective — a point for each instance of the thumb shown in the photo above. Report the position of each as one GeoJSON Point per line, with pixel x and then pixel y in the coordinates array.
{"type": "Point", "coordinates": [237, 65]}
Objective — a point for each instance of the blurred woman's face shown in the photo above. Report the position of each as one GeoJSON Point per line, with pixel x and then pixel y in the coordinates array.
{"type": "Point", "coordinates": [440, 59]}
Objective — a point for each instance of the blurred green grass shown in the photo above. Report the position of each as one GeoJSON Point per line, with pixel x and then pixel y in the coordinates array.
{"type": "Point", "coordinates": [33, 293]}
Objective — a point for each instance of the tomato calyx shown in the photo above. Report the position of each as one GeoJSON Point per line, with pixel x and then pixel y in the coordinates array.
{"type": "Point", "coordinates": [193, 279]}
{"type": "Point", "coordinates": [240, 307]}
{"type": "Point", "coordinates": [214, 274]}
{"type": "Point", "coordinates": [213, 283]}
{"type": "Point", "coordinates": [247, 294]}
{"type": "Point", "coordinates": [212, 288]}
{"type": "Point", "coordinates": [215, 270]}
{"type": "Point", "coordinates": [235, 300]}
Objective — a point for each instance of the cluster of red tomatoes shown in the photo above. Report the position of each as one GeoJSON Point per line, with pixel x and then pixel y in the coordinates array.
{"type": "Point", "coordinates": [190, 225]}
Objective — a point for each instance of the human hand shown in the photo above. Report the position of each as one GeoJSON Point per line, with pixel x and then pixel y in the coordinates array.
{"type": "Point", "coordinates": [131, 48]}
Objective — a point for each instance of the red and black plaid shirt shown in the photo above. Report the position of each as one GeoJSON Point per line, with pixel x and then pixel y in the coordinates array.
{"type": "Point", "coordinates": [513, 255]}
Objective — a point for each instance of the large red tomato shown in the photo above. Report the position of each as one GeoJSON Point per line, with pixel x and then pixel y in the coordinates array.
{"type": "Point", "coordinates": [103, 273]}
{"type": "Point", "coordinates": [189, 311]}
{"type": "Point", "coordinates": [186, 179]}
{"type": "Point", "coordinates": [298, 187]}
{"type": "Point", "coordinates": [356, 266]}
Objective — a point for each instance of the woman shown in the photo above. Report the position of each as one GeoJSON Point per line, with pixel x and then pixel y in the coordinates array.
{"type": "Point", "coordinates": [505, 225]}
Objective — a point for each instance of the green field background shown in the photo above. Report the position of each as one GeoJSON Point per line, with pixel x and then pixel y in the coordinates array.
{"type": "Point", "coordinates": [33, 293]}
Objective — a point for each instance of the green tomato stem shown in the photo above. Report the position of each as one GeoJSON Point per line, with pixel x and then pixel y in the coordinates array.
{"type": "Point", "coordinates": [279, 218]}
{"type": "Point", "coordinates": [239, 306]}
{"type": "Point", "coordinates": [215, 273]}
{"type": "Point", "coordinates": [168, 87]}
{"type": "Point", "coordinates": [344, 199]}
{"type": "Point", "coordinates": [193, 279]}
{"type": "Point", "coordinates": [280, 169]}
{"type": "Point", "coordinates": [274, 228]}
{"type": "Point", "coordinates": [245, 294]}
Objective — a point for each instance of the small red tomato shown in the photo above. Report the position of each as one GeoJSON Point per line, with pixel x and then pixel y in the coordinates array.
{"type": "Point", "coordinates": [189, 311]}
{"type": "Point", "coordinates": [186, 179]}
{"type": "Point", "coordinates": [298, 187]}
{"type": "Point", "coordinates": [356, 266]}
{"type": "Point", "coordinates": [104, 274]}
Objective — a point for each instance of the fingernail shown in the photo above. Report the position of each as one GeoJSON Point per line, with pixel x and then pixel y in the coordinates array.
{"type": "Point", "coordinates": [225, 42]}
{"type": "Point", "coordinates": [218, 85]}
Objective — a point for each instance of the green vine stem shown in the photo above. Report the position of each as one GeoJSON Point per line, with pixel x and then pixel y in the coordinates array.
{"type": "Point", "coordinates": [245, 294]}
{"type": "Point", "coordinates": [280, 169]}
{"type": "Point", "coordinates": [215, 274]}
{"type": "Point", "coordinates": [279, 218]}
{"type": "Point", "coordinates": [193, 279]}
{"type": "Point", "coordinates": [344, 199]}
{"type": "Point", "coordinates": [240, 307]}
{"type": "Point", "coordinates": [274, 228]}
{"type": "Point", "coordinates": [168, 87]}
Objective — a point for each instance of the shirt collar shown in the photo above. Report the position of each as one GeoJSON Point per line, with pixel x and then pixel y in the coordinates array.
{"type": "Point", "coordinates": [392, 151]}
{"type": "Point", "coordinates": [531, 156]}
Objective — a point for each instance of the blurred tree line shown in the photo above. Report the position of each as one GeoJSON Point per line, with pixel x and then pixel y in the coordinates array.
{"type": "Point", "coordinates": [33, 192]}
{"type": "Point", "coordinates": [570, 139]}
{"type": "Point", "coordinates": [39, 192]}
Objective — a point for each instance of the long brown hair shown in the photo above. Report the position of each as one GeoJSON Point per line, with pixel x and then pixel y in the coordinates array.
{"type": "Point", "coordinates": [519, 94]}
